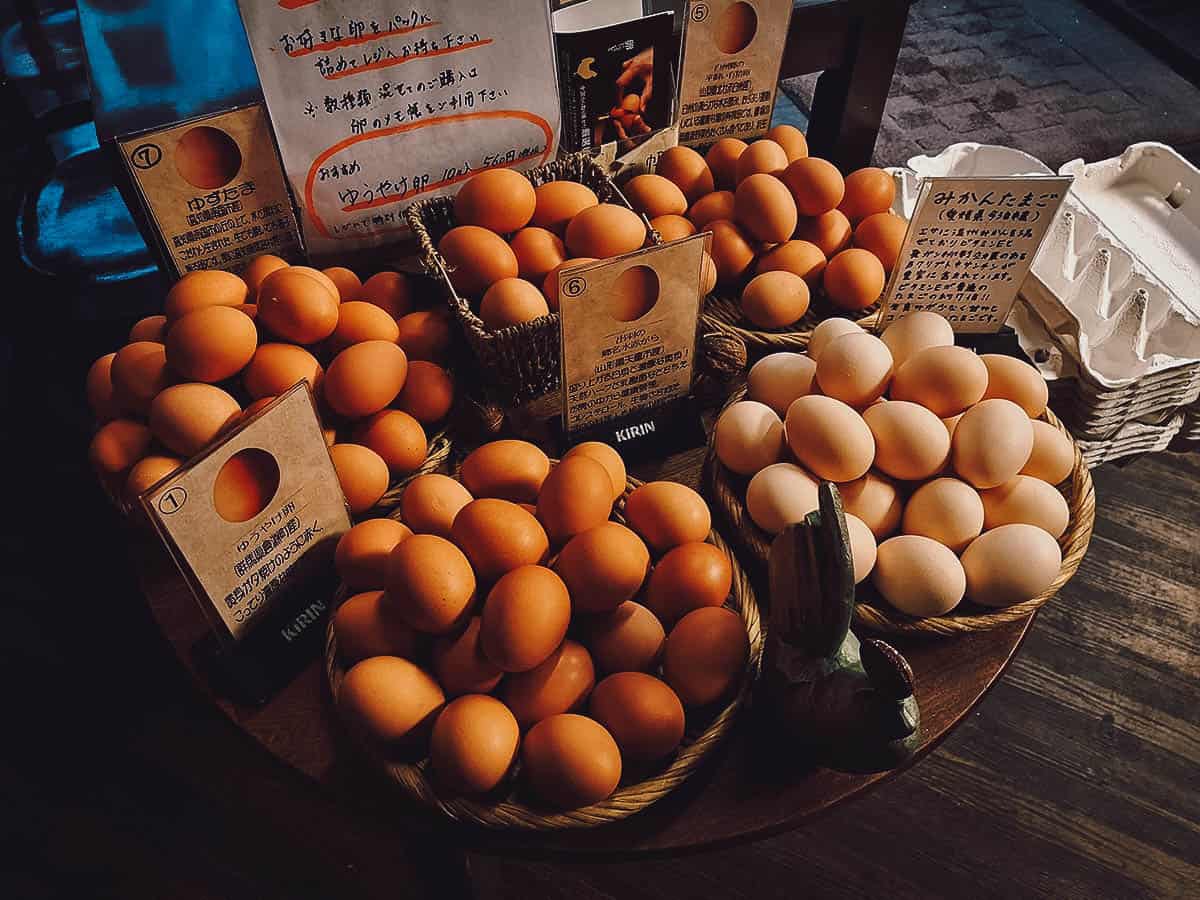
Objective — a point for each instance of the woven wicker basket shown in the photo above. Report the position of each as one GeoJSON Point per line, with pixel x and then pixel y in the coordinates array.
{"type": "Point", "coordinates": [723, 312]}
{"type": "Point", "coordinates": [703, 734]}
{"type": "Point", "coordinates": [521, 362]}
{"type": "Point", "coordinates": [727, 492]}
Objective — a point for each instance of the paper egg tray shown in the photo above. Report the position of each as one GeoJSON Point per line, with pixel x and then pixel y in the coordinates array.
{"type": "Point", "coordinates": [1132, 439]}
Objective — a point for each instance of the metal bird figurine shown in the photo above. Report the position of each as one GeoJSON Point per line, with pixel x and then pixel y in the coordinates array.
{"type": "Point", "coordinates": [851, 703]}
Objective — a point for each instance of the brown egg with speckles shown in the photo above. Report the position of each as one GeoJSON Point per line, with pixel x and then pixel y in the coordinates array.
{"type": "Point", "coordinates": [296, 306]}
{"type": "Point", "coordinates": [397, 437]}
{"type": "Point", "coordinates": [775, 299]}
{"type": "Point", "coordinates": [431, 502]}
{"type": "Point", "coordinates": [430, 584]}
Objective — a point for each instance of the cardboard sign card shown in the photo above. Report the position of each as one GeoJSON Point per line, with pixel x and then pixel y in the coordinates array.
{"type": "Point", "coordinates": [629, 331]}
{"type": "Point", "coordinates": [214, 189]}
{"type": "Point", "coordinates": [240, 570]}
{"type": "Point", "coordinates": [970, 244]}
{"type": "Point", "coordinates": [377, 106]}
{"type": "Point", "coordinates": [731, 55]}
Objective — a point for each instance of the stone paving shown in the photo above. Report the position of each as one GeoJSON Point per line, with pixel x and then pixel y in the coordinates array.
{"type": "Point", "coordinates": [1049, 77]}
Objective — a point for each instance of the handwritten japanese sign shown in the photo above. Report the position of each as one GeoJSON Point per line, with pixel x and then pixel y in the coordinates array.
{"type": "Point", "coordinates": [238, 570]}
{"type": "Point", "coordinates": [969, 246]}
{"type": "Point", "coordinates": [378, 104]}
{"type": "Point", "coordinates": [613, 367]}
{"type": "Point", "coordinates": [731, 55]}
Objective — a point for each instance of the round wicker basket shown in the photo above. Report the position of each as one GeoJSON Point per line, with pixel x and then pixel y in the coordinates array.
{"type": "Point", "coordinates": [723, 312]}
{"type": "Point", "coordinates": [705, 730]}
{"type": "Point", "coordinates": [726, 491]}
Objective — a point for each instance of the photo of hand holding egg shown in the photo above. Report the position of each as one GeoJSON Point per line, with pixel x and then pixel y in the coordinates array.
{"type": "Point", "coordinates": [532, 637]}
{"type": "Point", "coordinates": [949, 464]}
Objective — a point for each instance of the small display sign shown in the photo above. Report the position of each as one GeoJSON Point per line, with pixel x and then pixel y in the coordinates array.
{"type": "Point", "coordinates": [732, 50]}
{"type": "Point", "coordinates": [970, 244]}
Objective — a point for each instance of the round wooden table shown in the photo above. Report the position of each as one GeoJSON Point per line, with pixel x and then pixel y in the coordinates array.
{"type": "Point", "coordinates": [751, 788]}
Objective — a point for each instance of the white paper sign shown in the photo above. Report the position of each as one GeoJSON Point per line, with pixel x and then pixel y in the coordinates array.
{"type": "Point", "coordinates": [376, 105]}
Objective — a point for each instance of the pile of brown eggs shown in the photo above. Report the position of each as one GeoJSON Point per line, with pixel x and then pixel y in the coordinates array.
{"type": "Point", "coordinates": [789, 220]}
{"type": "Point", "coordinates": [506, 614]}
{"type": "Point", "coordinates": [225, 346]}
{"type": "Point", "coordinates": [937, 452]}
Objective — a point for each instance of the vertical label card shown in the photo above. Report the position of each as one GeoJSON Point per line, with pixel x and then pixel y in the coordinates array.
{"type": "Point", "coordinates": [969, 246]}
{"type": "Point", "coordinates": [253, 515]}
{"type": "Point", "coordinates": [376, 106]}
{"type": "Point", "coordinates": [629, 331]}
{"type": "Point", "coordinates": [214, 190]}
{"type": "Point", "coordinates": [732, 50]}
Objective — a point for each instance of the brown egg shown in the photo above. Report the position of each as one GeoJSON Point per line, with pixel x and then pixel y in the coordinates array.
{"type": "Point", "coordinates": [425, 334]}
{"type": "Point", "coordinates": [775, 299]}
{"type": "Point", "coordinates": [185, 417]}
{"type": "Point", "coordinates": [688, 577]}
{"type": "Point", "coordinates": [363, 628]}
{"type": "Point", "coordinates": [362, 474]}
{"type": "Point", "coordinates": [829, 438]}
{"type": "Point", "coordinates": [762, 157]}
{"type": "Point", "coordinates": [643, 715]}
{"type": "Point", "coordinates": [275, 368]}
{"type": "Point", "coordinates": [854, 279]}
{"type": "Point", "coordinates": [258, 269]}
{"type": "Point", "coordinates": [918, 575]}
{"type": "Point", "coordinates": [798, 257]}
{"type": "Point", "coordinates": [397, 437]}
{"type": "Point", "coordinates": [717, 205]}
{"type": "Point", "coordinates": [791, 139]}
{"type": "Point", "coordinates": [945, 380]}
{"type": "Point", "coordinates": [687, 170]}
{"type": "Point", "coordinates": [946, 510]}
{"type": "Point", "coordinates": [722, 160]}
{"type": "Point", "coordinates": [365, 378]}
{"type": "Point", "coordinates": [296, 307]}
{"type": "Point", "coordinates": [576, 496]}
{"type": "Point", "coordinates": [245, 485]}
{"type": "Point", "coordinates": [708, 275]}
{"type": "Point", "coordinates": [525, 617]}
{"type": "Point", "coordinates": [779, 495]}
{"type": "Point", "coordinates": [99, 389]}
{"type": "Point", "coordinates": [816, 185]}
{"type": "Point", "coordinates": [917, 331]}
{"type": "Point", "coordinates": [882, 234]}
{"type": "Point", "coordinates": [856, 369]}
{"type": "Point", "coordinates": [498, 536]}
{"type": "Point", "coordinates": [951, 422]}
{"type": "Point", "coordinates": [360, 321]}
{"type": "Point", "coordinates": [992, 443]}
{"type": "Point", "coordinates": [538, 250]}
{"type": "Point", "coordinates": [145, 473]}
{"type": "Point", "coordinates": [706, 655]}
{"type": "Point", "coordinates": [873, 499]}
{"type": "Point", "coordinates": [561, 683]}
{"type": "Point", "coordinates": [473, 744]}
{"type": "Point", "coordinates": [428, 392]}
{"type": "Point", "coordinates": [1053, 454]}
{"type": "Point", "coordinates": [732, 253]}
{"type": "Point", "coordinates": [607, 457]}
{"type": "Point", "coordinates": [1028, 501]}
{"type": "Point", "coordinates": [667, 514]}
{"type": "Point", "coordinates": [1016, 380]}
{"type": "Point", "coordinates": [779, 378]}
{"type": "Point", "coordinates": [361, 557]}
{"type": "Point", "coordinates": [348, 284]}
{"type": "Point", "coordinates": [511, 301]}
{"type": "Point", "coordinates": [508, 469]}
{"type": "Point", "coordinates": [321, 278]}
{"type": "Point", "coordinates": [993, 579]}
{"type": "Point", "coordinates": [206, 287]}
{"type": "Point", "coordinates": [764, 208]}
{"type": "Point", "coordinates": [250, 309]}
{"type": "Point", "coordinates": [672, 227]}
{"type": "Point", "coordinates": [430, 583]}
{"type": "Point", "coordinates": [550, 285]}
{"type": "Point", "coordinates": [139, 373]}
{"type": "Point", "coordinates": [477, 259]}
{"type": "Point", "coordinates": [911, 443]}
{"type": "Point", "coordinates": [868, 191]}
{"type": "Point", "coordinates": [211, 344]}
{"type": "Point", "coordinates": [498, 199]}
{"type": "Point", "coordinates": [118, 445]}
{"type": "Point", "coordinates": [461, 665]}
{"type": "Point", "coordinates": [604, 231]}
{"type": "Point", "coordinates": [558, 202]}
{"type": "Point", "coordinates": [628, 639]}
{"type": "Point", "coordinates": [390, 291]}
{"type": "Point", "coordinates": [826, 332]}
{"type": "Point", "coordinates": [748, 437]}
{"type": "Point", "coordinates": [151, 328]}
{"type": "Point", "coordinates": [393, 700]}
{"type": "Point", "coordinates": [430, 503]}
{"type": "Point", "coordinates": [603, 567]}
{"type": "Point", "coordinates": [571, 761]}
{"type": "Point", "coordinates": [655, 195]}
{"type": "Point", "coordinates": [863, 550]}
{"type": "Point", "coordinates": [829, 232]}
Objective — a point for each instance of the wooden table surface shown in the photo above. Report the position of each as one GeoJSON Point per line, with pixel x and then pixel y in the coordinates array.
{"type": "Point", "coordinates": [748, 790]}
